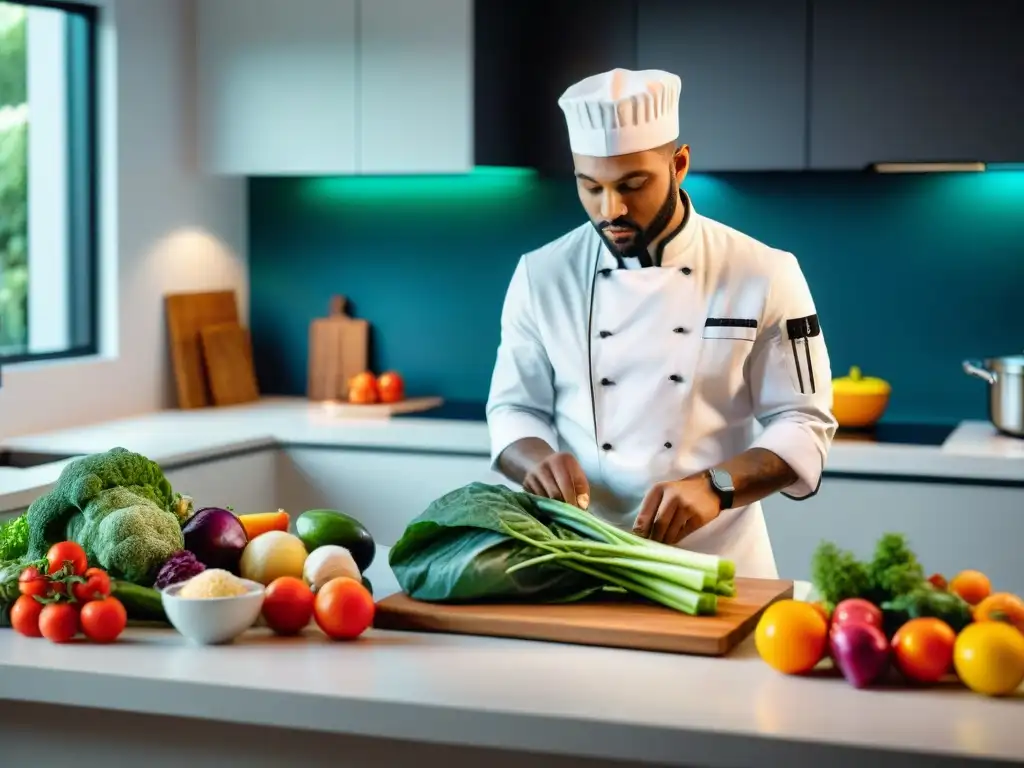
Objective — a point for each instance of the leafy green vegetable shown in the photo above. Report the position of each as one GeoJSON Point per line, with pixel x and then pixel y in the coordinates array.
{"type": "Point", "coordinates": [14, 538]}
{"type": "Point", "coordinates": [926, 601]}
{"type": "Point", "coordinates": [892, 571]}
{"type": "Point", "coordinates": [837, 575]}
{"type": "Point", "coordinates": [486, 542]}
{"type": "Point", "coordinates": [119, 506]}
{"type": "Point", "coordinates": [457, 550]}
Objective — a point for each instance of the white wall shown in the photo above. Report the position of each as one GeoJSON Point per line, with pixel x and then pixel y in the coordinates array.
{"type": "Point", "coordinates": [165, 227]}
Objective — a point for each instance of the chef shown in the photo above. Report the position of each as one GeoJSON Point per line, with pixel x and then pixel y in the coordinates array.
{"type": "Point", "coordinates": [657, 367]}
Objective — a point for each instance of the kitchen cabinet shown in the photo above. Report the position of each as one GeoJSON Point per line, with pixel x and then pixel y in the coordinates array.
{"type": "Point", "coordinates": [743, 104]}
{"type": "Point", "coordinates": [335, 87]}
{"type": "Point", "coordinates": [949, 526]}
{"type": "Point", "coordinates": [892, 80]}
{"type": "Point", "coordinates": [277, 86]}
{"type": "Point", "coordinates": [415, 86]}
{"type": "Point", "coordinates": [527, 53]}
{"type": "Point", "coordinates": [384, 490]}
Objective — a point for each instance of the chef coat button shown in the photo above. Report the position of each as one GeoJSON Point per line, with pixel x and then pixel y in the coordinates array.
{"type": "Point", "coordinates": [668, 445]}
{"type": "Point", "coordinates": [607, 382]}
{"type": "Point", "coordinates": [676, 378]}
{"type": "Point", "coordinates": [604, 334]}
{"type": "Point", "coordinates": [605, 272]}
{"type": "Point", "coordinates": [686, 270]}
{"type": "Point", "coordinates": [680, 329]}
{"type": "Point", "coordinates": [606, 447]}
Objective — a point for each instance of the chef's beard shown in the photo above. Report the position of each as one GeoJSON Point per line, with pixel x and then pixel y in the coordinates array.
{"type": "Point", "coordinates": [643, 236]}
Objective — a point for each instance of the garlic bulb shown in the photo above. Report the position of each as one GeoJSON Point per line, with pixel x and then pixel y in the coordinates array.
{"type": "Point", "coordinates": [329, 562]}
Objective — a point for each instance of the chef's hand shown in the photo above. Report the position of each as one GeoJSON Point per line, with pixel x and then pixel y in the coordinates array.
{"type": "Point", "coordinates": [673, 510]}
{"type": "Point", "coordinates": [559, 476]}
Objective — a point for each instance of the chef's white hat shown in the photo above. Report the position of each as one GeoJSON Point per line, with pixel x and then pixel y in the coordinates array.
{"type": "Point", "coordinates": [621, 111]}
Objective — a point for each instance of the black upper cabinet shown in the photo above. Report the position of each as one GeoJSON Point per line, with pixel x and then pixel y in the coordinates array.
{"type": "Point", "coordinates": [744, 70]}
{"type": "Point", "coordinates": [527, 53]}
{"type": "Point", "coordinates": [909, 81]}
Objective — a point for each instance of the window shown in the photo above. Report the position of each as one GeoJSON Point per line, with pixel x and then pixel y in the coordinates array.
{"type": "Point", "coordinates": [48, 180]}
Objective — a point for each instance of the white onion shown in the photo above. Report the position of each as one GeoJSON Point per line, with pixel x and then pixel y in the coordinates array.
{"type": "Point", "coordinates": [329, 562]}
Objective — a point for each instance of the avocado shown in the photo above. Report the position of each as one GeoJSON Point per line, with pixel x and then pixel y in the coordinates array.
{"type": "Point", "coordinates": [319, 527]}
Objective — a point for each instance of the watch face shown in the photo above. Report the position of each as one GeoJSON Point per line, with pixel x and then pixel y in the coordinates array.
{"type": "Point", "coordinates": [721, 479]}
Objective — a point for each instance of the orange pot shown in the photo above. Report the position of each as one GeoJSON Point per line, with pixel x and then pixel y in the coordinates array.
{"type": "Point", "coordinates": [859, 401]}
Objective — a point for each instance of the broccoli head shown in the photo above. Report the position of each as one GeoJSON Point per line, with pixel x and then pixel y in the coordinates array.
{"type": "Point", "coordinates": [128, 535]}
{"type": "Point", "coordinates": [81, 498]}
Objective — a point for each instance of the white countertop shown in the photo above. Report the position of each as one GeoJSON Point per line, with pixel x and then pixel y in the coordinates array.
{"type": "Point", "coordinates": [474, 691]}
{"type": "Point", "coordinates": [974, 451]}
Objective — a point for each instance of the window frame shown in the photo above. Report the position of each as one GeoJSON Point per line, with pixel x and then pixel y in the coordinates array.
{"type": "Point", "coordinates": [83, 187]}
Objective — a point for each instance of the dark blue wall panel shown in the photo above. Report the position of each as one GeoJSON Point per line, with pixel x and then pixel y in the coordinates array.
{"type": "Point", "coordinates": [911, 273]}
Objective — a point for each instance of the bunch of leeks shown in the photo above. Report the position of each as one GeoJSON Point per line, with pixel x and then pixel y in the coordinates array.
{"type": "Point", "coordinates": [690, 582]}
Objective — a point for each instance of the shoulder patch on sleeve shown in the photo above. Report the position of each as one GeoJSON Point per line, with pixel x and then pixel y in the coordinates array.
{"type": "Point", "coordinates": [803, 327]}
{"type": "Point", "coordinates": [800, 331]}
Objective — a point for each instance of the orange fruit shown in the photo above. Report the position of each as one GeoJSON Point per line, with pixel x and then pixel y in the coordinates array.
{"type": "Point", "coordinates": [820, 608]}
{"type": "Point", "coordinates": [923, 649]}
{"type": "Point", "coordinates": [1001, 606]}
{"type": "Point", "coordinates": [287, 605]}
{"type": "Point", "coordinates": [343, 608]}
{"type": "Point", "coordinates": [972, 586]}
{"type": "Point", "coordinates": [791, 636]}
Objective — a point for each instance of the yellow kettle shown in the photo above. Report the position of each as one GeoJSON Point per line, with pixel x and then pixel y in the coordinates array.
{"type": "Point", "coordinates": [859, 401]}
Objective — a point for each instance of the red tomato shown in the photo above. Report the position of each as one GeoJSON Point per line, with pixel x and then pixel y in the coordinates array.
{"type": "Point", "coordinates": [857, 611]}
{"type": "Point", "coordinates": [391, 387]}
{"type": "Point", "coordinates": [938, 581]}
{"type": "Point", "coordinates": [923, 649]}
{"type": "Point", "coordinates": [25, 616]}
{"type": "Point", "coordinates": [288, 605]}
{"type": "Point", "coordinates": [362, 389]}
{"type": "Point", "coordinates": [58, 622]}
{"type": "Point", "coordinates": [95, 587]}
{"type": "Point", "coordinates": [343, 608]}
{"type": "Point", "coordinates": [67, 550]}
{"type": "Point", "coordinates": [32, 582]}
{"type": "Point", "coordinates": [103, 620]}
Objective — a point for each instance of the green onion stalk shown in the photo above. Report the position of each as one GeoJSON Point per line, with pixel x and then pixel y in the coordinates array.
{"type": "Point", "coordinates": [690, 582]}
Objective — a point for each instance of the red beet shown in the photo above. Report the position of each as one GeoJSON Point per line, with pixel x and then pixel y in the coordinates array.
{"type": "Point", "coordinates": [861, 652]}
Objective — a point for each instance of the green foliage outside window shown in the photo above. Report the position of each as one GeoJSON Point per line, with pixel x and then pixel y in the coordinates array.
{"type": "Point", "coordinates": [13, 182]}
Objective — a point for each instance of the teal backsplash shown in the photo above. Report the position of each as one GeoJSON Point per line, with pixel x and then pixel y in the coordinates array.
{"type": "Point", "coordinates": [911, 273]}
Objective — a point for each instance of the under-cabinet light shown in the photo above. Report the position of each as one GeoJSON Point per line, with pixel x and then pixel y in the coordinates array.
{"type": "Point", "coordinates": [928, 167]}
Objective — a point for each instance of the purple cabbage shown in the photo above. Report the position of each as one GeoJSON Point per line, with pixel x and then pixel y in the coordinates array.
{"type": "Point", "coordinates": [181, 566]}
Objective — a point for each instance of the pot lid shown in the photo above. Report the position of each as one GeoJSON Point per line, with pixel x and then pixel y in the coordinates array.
{"type": "Point", "coordinates": [1007, 364]}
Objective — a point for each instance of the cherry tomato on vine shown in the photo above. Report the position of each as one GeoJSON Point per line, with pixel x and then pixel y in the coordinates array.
{"type": "Point", "coordinates": [95, 587]}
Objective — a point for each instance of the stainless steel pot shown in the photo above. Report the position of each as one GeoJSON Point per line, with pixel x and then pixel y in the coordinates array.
{"type": "Point", "coordinates": [1005, 377]}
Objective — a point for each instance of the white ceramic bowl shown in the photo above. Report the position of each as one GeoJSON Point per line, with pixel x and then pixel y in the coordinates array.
{"type": "Point", "coordinates": [213, 620]}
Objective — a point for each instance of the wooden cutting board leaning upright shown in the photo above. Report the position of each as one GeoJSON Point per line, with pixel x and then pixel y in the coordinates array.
{"type": "Point", "coordinates": [227, 352]}
{"type": "Point", "coordinates": [338, 350]}
{"type": "Point", "coordinates": [187, 315]}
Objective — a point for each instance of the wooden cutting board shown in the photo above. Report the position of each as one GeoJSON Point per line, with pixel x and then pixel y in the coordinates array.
{"type": "Point", "coordinates": [227, 353]}
{"type": "Point", "coordinates": [338, 350]}
{"type": "Point", "coordinates": [383, 410]}
{"type": "Point", "coordinates": [611, 623]}
{"type": "Point", "coordinates": [187, 314]}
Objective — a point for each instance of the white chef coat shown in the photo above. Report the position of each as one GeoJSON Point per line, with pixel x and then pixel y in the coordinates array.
{"type": "Point", "coordinates": [652, 374]}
